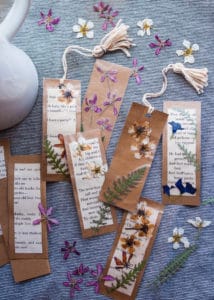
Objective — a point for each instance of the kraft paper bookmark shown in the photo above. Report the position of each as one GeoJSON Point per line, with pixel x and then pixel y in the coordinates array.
{"type": "Point", "coordinates": [4, 228]}
{"type": "Point", "coordinates": [133, 157]}
{"type": "Point", "coordinates": [87, 166]}
{"type": "Point", "coordinates": [28, 246]}
{"type": "Point", "coordinates": [131, 250]}
{"type": "Point", "coordinates": [181, 153]}
{"type": "Point", "coordinates": [61, 115]}
{"type": "Point", "coordinates": [104, 97]}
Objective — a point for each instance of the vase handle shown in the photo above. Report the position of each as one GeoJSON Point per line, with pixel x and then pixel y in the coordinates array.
{"type": "Point", "coordinates": [14, 19]}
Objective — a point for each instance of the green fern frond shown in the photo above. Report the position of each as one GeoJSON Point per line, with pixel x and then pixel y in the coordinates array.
{"type": "Point", "coordinates": [123, 185]}
{"type": "Point", "coordinates": [128, 278]}
{"type": "Point", "coordinates": [104, 210]}
{"type": "Point", "coordinates": [81, 127]}
{"type": "Point", "coordinates": [189, 156]}
{"type": "Point", "coordinates": [54, 159]}
{"type": "Point", "coordinates": [173, 266]}
{"type": "Point", "coordinates": [209, 201]}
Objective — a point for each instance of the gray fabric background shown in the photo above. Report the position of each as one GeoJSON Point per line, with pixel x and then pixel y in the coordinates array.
{"type": "Point", "coordinates": [176, 20]}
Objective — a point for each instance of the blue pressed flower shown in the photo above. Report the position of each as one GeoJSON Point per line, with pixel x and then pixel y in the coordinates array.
{"type": "Point", "coordinates": [175, 126]}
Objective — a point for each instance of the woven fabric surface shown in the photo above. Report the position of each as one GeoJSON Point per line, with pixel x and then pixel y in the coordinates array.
{"type": "Point", "coordinates": [192, 20]}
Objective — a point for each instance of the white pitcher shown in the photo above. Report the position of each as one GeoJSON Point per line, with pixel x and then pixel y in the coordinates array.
{"type": "Point", "coordinates": [18, 75]}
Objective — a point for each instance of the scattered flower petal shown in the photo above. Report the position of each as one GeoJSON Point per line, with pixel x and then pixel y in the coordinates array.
{"type": "Point", "coordinates": [73, 284]}
{"type": "Point", "coordinates": [188, 52]}
{"type": "Point", "coordinates": [84, 28]}
{"type": "Point", "coordinates": [145, 27]}
{"type": "Point", "coordinates": [101, 7]}
{"type": "Point", "coordinates": [136, 70]}
{"type": "Point", "coordinates": [199, 223]}
{"type": "Point", "coordinates": [48, 20]}
{"type": "Point", "coordinates": [178, 237]}
{"type": "Point", "coordinates": [160, 44]}
{"type": "Point", "coordinates": [109, 16]}
{"type": "Point", "coordinates": [81, 270]}
{"type": "Point", "coordinates": [45, 217]}
{"type": "Point", "coordinates": [69, 249]}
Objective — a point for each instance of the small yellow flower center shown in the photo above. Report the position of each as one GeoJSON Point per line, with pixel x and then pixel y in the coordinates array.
{"type": "Point", "coordinates": [188, 52]}
{"type": "Point", "coordinates": [176, 238]}
{"type": "Point", "coordinates": [146, 26]}
{"type": "Point", "coordinates": [48, 20]}
{"type": "Point", "coordinates": [84, 29]}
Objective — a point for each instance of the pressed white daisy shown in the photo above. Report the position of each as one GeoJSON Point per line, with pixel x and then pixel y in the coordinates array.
{"type": "Point", "coordinates": [84, 28]}
{"type": "Point", "coordinates": [178, 238]}
{"type": "Point", "coordinates": [96, 169]}
{"type": "Point", "coordinates": [188, 52]}
{"type": "Point", "coordinates": [145, 27]}
{"type": "Point", "coordinates": [199, 223]}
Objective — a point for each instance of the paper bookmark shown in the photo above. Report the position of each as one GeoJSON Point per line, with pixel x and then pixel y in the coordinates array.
{"type": "Point", "coordinates": [61, 115]}
{"type": "Point", "coordinates": [131, 250]}
{"type": "Point", "coordinates": [4, 157]}
{"type": "Point", "coordinates": [181, 153]}
{"type": "Point", "coordinates": [133, 157]}
{"type": "Point", "coordinates": [87, 166]}
{"type": "Point", "coordinates": [104, 97]}
{"type": "Point", "coordinates": [27, 242]}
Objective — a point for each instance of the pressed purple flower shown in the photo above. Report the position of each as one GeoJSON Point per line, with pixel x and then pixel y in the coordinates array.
{"type": "Point", "coordinates": [48, 20]}
{"type": "Point", "coordinates": [111, 99]}
{"type": "Point", "coordinates": [104, 124]}
{"type": "Point", "coordinates": [101, 7]}
{"type": "Point", "coordinates": [73, 284]}
{"type": "Point", "coordinates": [111, 74]}
{"type": "Point", "coordinates": [98, 274]}
{"type": "Point", "coordinates": [69, 249]}
{"type": "Point", "coordinates": [136, 71]}
{"type": "Point", "coordinates": [109, 17]}
{"type": "Point", "coordinates": [160, 44]}
{"type": "Point", "coordinates": [45, 216]}
{"type": "Point", "coordinates": [81, 270]}
{"type": "Point", "coordinates": [91, 105]}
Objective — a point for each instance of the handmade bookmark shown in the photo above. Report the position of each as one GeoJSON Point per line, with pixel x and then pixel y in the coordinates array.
{"type": "Point", "coordinates": [87, 166]}
{"type": "Point", "coordinates": [4, 228]}
{"type": "Point", "coordinates": [181, 153]}
{"type": "Point", "coordinates": [133, 157]}
{"type": "Point", "coordinates": [131, 250]}
{"type": "Point", "coordinates": [27, 242]}
{"type": "Point", "coordinates": [61, 115]}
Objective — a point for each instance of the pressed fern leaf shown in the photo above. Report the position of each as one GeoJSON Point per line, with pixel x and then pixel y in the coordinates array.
{"type": "Point", "coordinates": [54, 159]}
{"type": "Point", "coordinates": [209, 201]}
{"type": "Point", "coordinates": [123, 185]}
{"type": "Point", "coordinates": [189, 156]}
{"type": "Point", "coordinates": [104, 210]}
{"type": "Point", "coordinates": [173, 266]}
{"type": "Point", "coordinates": [128, 278]}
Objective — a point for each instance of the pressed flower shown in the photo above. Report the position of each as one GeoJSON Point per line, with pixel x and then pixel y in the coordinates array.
{"type": "Point", "coordinates": [136, 70]}
{"type": "Point", "coordinates": [145, 148]}
{"type": "Point", "coordinates": [61, 145]}
{"type": "Point", "coordinates": [67, 93]}
{"type": "Point", "coordinates": [104, 124]}
{"type": "Point", "coordinates": [145, 27]}
{"type": "Point", "coordinates": [178, 237]}
{"type": "Point", "coordinates": [99, 277]}
{"type": "Point", "coordinates": [84, 29]}
{"type": "Point", "coordinates": [79, 147]}
{"type": "Point", "coordinates": [144, 227]}
{"type": "Point", "coordinates": [130, 243]}
{"type": "Point", "coordinates": [69, 249]}
{"type": "Point", "coordinates": [109, 16]}
{"type": "Point", "coordinates": [48, 20]}
{"type": "Point", "coordinates": [110, 74]}
{"type": "Point", "coordinates": [199, 223]}
{"type": "Point", "coordinates": [167, 189]}
{"type": "Point", "coordinates": [139, 130]}
{"type": "Point", "coordinates": [45, 217]}
{"type": "Point", "coordinates": [185, 189]}
{"type": "Point", "coordinates": [91, 105]}
{"type": "Point", "coordinates": [160, 44]}
{"type": "Point", "coordinates": [188, 52]}
{"type": "Point", "coordinates": [111, 99]}
{"type": "Point", "coordinates": [101, 7]}
{"type": "Point", "coordinates": [73, 284]}
{"type": "Point", "coordinates": [123, 263]}
{"type": "Point", "coordinates": [81, 270]}
{"type": "Point", "coordinates": [142, 211]}
{"type": "Point", "coordinates": [175, 126]}
{"type": "Point", "coordinates": [96, 170]}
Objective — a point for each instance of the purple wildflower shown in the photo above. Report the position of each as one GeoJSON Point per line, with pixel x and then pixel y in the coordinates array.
{"type": "Point", "coordinates": [111, 74]}
{"type": "Point", "coordinates": [101, 7]}
{"type": "Point", "coordinates": [48, 20]}
{"type": "Point", "coordinates": [160, 45]}
{"type": "Point", "coordinates": [45, 216]}
{"type": "Point", "coordinates": [98, 274]}
{"type": "Point", "coordinates": [112, 98]}
{"type": "Point", "coordinates": [81, 270]}
{"type": "Point", "coordinates": [109, 17]}
{"type": "Point", "coordinates": [69, 249]}
{"type": "Point", "coordinates": [73, 284]}
{"type": "Point", "coordinates": [104, 124]}
{"type": "Point", "coordinates": [136, 71]}
{"type": "Point", "coordinates": [91, 105]}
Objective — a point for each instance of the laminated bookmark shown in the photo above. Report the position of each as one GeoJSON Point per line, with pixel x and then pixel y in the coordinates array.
{"type": "Point", "coordinates": [133, 157]}
{"type": "Point", "coordinates": [28, 246]}
{"type": "Point", "coordinates": [61, 115]}
{"type": "Point", "coordinates": [87, 166]}
{"type": "Point", "coordinates": [4, 228]}
{"type": "Point", "coordinates": [181, 153]}
{"type": "Point", "coordinates": [131, 250]}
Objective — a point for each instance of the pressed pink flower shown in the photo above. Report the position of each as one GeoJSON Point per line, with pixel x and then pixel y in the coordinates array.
{"type": "Point", "coordinates": [73, 284]}
{"type": "Point", "coordinates": [109, 18]}
{"type": "Point", "coordinates": [111, 99]}
{"type": "Point", "coordinates": [48, 20]}
{"type": "Point", "coordinates": [91, 105]}
{"type": "Point", "coordinates": [81, 270]}
{"type": "Point", "coordinates": [111, 74]}
{"type": "Point", "coordinates": [45, 216]}
{"type": "Point", "coordinates": [136, 71]}
{"type": "Point", "coordinates": [101, 7]}
{"type": "Point", "coordinates": [104, 124]}
{"type": "Point", "coordinates": [69, 249]}
{"type": "Point", "coordinates": [160, 44]}
{"type": "Point", "coordinates": [98, 274]}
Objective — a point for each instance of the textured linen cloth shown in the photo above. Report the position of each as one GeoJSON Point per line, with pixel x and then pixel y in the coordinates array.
{"type": "Point", "coordinates": [192, 20]}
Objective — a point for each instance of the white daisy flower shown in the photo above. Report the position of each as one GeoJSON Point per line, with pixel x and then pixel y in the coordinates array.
{"type": "Point", "coordinates": [178, 238]}
{"type": "Point", "coordinates": [199, 223]}
{"type": "Point", "coordinates": [145, 27]}
{"type": "Point", "coordinates": [83, 28]}
{"type": "Point", "coordinates": [188, 52]}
